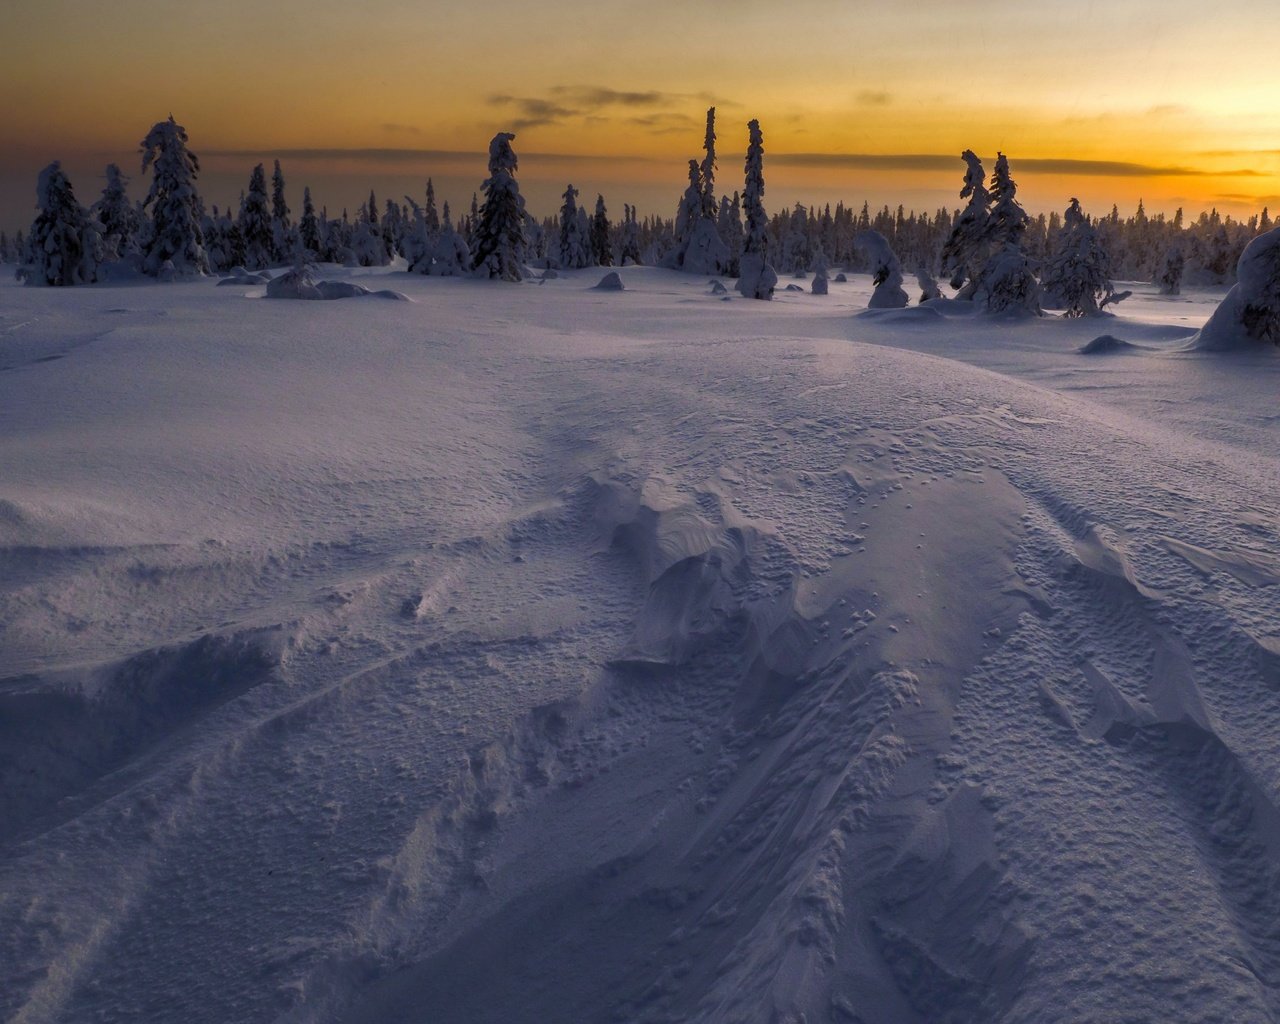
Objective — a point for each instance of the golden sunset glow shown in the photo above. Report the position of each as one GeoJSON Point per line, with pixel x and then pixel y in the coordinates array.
{"type": "Point", "coordinates": [1172, 101]}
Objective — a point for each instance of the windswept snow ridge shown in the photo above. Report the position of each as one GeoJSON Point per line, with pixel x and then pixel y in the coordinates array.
{"type": "Point", "coordinates": [535, 655]}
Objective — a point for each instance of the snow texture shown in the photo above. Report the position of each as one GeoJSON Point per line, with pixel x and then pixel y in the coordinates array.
{"type": "Point", "coordinates": [534, 655]}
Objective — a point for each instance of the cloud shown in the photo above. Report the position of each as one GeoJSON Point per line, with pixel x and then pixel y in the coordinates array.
{"type": "Point", "coordinates": [534, 111]}
{"type": "Point", "coordinates": [409, 156]}
{"type": "Point", "coordinates": [666, 124]}
{"type": "Point", "coordinates": [874, 98]}
{"type": "Point", "coordinates": [594, 103]}
{"type": "Point", "coordinates": [945, 162]}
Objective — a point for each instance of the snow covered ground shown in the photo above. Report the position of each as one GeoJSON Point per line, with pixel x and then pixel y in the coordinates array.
{"type": "Point", "coordinates": [537, 653]}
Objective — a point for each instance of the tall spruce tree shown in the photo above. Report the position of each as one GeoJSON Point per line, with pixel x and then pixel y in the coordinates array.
{"type": "Point", "coordinates": [175, 205]}
{"type": "Point", "coordinates": [601, 248]}
{"type": "Point", "coordinates": [255, 223]}
{"type": "Point", "coordinates": [498, 244]}
{"type": "Point", "coordinates": [281, 225]}
{"type": "Point", "coordinates": [756, 279]}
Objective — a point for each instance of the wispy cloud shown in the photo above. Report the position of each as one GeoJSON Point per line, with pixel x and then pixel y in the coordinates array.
{"type": "Point", "coordinates": [874, 98]}
{"type": "Point", "coordinates": [1035, 165]}
{"type": "Point", "coordinates": [595, 103]}
{"type": "Point", "coordinates": [534, 111]}
{"type": "Point", "coordinates": [406, 156]}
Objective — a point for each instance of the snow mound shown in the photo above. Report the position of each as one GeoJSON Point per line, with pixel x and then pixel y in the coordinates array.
{"type": "Point", "coordinates": [611, 282]}
{"type": "Point", "coordinates": [794, 288]}
{"type": "Point", "coordinates": [718, 288]}
{"type": "Point", "coordinates": [294, 284]}
{"type": "Point", "coordinates": [901, 314]}
{"type": "Point", "coordinates": [1250, 313]}
{"type": "Point", "coordinates": [1107, 344]}
{"type": "Point", "coordinates": [841, 279]}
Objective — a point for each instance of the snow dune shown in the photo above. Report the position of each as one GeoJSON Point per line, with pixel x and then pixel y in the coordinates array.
{"type": "Point", "coordinates": [527, 653]}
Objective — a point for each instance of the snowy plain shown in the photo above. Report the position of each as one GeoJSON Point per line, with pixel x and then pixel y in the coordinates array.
{"type": "Point", "coordinates": [537, 653]}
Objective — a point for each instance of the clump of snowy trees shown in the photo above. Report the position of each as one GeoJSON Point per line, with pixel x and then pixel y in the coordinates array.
{"type": "Point", "coordinates": [990, 249]}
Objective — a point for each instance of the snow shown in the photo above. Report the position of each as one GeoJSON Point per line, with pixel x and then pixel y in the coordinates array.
{"type": "Point", "coordinates": [525, 653]}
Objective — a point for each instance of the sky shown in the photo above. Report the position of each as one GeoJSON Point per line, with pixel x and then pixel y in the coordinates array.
{"type": "Point", "coordinates": [1171, 102]}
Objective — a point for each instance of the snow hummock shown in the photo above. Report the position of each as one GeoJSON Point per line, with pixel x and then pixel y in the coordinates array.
{"type": "Point", "coordinates": [1249, 316]}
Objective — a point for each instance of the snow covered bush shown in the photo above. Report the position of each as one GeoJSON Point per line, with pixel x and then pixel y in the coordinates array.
{"type": "Point", "coordinates": [64, 243]}
{"type": "Point", "coordinates": [820, 279]}
{"type": "Point", "coordinates": [1008, 284]}
{"type": "Point", "coordinates": [1250, 313]}
{"type": "Point", "coordinates": [929, 289]}
{"type": "Point", "coordinates": [175, 205]}
{"type": "Point", "coordinates": [498, 249]}
{"type": "Point", "coordinates": [1078, 274]}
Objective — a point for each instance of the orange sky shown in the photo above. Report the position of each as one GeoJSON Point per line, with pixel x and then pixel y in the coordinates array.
{"type": "Point", "coordinates": [1171, 101]}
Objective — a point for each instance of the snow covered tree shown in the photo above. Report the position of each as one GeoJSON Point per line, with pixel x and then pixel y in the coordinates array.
{"type": "Point", "coordinates": [601, 249]}
{"type": "Point", "coordinates": [1170, 279]}
{"type": "Point", "coordinates": [729, 227]}
{"type": "Point", "coordinates": [1079, 272]}
{"type": "Point", "coordinates": [429, 213]}
{"type": "Point", "coordinates": [64, 242]}
{"type": "Point", "coordinates": [886, 271]}
{"type": "Point", "coordinates": [967, 249]}
{"type": "Point", "coordinates": [1006, 219]}
{"type": "Point", "coordinates": [707, 172]}
{"type": "Point", "coordinates": [498, 246]}
{"type": "Point", "coordinates": [573, 248]}
{"type": "Point", "coordinates": [1007, 281]}
{"type": "Point", "coordinates": [451, 257]}
{"type": "Point", "coordinates": [255, 223]}
{"type": "Point", "coordinates": [699, 248]}
{"type": "Point", "coordinates": [117, 215]}
{"type": "Point", "coordinates": [756, 279]}
{"type": "Point", "coordinates": [281, 226]}
{"type": "Point", "coordinates": [176, 208]}
{"type": "Point", "coordinates": [309, 226]}
{"type": "Point", "coordinates": [629, 246]}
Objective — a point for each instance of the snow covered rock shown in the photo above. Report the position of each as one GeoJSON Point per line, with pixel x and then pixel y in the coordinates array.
{"type": "Point", "coordinates": [1250, 313]}
{"type": "Point", "coordinates": [293, 284]}
{"type": "Point", "coordinates": [611, 282]}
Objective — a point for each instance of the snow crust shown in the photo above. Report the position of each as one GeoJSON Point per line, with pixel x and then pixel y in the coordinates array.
{"type": "Point", "coordinates": [531, 654]}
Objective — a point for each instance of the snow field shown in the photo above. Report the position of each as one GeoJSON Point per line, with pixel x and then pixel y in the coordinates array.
{"type": "Point", "coordinates": [531, 652]}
